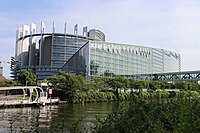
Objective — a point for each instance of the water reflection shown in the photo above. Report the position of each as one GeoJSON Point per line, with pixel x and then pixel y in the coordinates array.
{"type": "Point", "coordinates": [51, 118]}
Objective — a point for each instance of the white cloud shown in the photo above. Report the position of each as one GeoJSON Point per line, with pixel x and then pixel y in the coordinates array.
{"type": "Point", "coordinates": [171, 24]}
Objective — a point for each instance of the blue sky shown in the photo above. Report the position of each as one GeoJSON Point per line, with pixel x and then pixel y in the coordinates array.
{"type": "Point", "coordinates": [167, 24]}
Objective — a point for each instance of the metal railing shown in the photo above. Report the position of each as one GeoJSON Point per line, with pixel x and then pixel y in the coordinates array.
{"type": "Point", "coordinates": [172, 76]}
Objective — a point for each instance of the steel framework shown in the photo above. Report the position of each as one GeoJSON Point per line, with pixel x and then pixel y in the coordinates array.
{"type": "Point", "coordinates": [173, 76]}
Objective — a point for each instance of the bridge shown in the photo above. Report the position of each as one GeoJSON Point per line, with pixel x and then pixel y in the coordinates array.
{"type": "Point", "coordinates": [172, 76]}
{"type": "Point", "coordinates": [31, 95]}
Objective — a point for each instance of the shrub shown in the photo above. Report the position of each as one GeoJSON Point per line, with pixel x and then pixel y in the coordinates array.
{"type": "Point", "coordinates": [176, 115]}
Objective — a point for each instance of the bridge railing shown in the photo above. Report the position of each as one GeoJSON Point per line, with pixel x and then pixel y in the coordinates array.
{"type": "Point", "coordinates": [174, 76]}
{"type": "Point", "coordinates": [14, 102]}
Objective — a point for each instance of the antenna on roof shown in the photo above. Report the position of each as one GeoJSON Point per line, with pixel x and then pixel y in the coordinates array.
{"type": "Point", "coordinates": [85, 31]}
{"type": "Point", "coordinates": [89, 23]}
{"type": "Point", "coordinates": [65, 28]}
{"type": "Point", "coordinates": [76, 29]}
{"type": "Point", "coordinates": [53, 27]}
{"type": "Point", "coordinates": [42, 28]}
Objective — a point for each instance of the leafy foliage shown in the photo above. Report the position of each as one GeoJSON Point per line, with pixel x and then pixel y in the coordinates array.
{"type": "Point", "coordinates": [9, 83]}
{"type": "Point", "coordinates": [27, 78]}
{"type": "Point", "coordinates": [73, 84]}
{"type": "Point", "coordinates": [69, 82]}
{"type": "Point", "coordinates": [146, 116]}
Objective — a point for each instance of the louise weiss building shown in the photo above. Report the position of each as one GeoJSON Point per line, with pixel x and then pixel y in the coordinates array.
{"type": "Point", "coordinates": [46, 54]}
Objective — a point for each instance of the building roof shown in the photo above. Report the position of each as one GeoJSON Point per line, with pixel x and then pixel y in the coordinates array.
{"type": "Point", "coordinates": [2, 78]}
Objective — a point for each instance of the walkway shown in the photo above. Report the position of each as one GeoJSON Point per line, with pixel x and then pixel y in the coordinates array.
{"type": "Point", "coordinates": [31, 95]}
{"type": "Point", "coordinates": [172, 76]}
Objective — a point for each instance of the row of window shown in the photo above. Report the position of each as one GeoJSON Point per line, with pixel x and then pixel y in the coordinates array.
{"type": "Point", "coordinates": [119, 61]}
{"type": "Point", "coordinates": [118, 72]}
{"type": "Point", "coordinates": [123, 53]}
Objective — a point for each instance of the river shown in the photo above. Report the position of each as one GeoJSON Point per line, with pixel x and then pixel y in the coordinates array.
{"type": "Point", "coordinates": [56, 118]}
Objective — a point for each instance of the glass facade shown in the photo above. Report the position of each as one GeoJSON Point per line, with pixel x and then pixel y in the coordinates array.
{"type": "Point", "coordinates": [93, 57]}
{"type": "Point", "coordinates": [58, 50]}
{"type": "Point", "coordinates": [103, 59]}
{"type": "Point", "coordinates": [63, 48]}
{"type": "Point", "coordinates": [55, 49]}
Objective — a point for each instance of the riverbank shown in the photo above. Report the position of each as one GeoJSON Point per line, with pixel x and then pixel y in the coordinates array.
{"type": "Point", "coordinates": [16, 103]}
{"type": "Point", "coordinates": [94, 96]}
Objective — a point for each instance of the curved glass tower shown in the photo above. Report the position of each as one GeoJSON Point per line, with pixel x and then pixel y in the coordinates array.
{"type": "Point", "coordinates": [46, 54]}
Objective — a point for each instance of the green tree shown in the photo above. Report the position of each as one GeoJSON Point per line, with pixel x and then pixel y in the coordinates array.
{"type": "Point", "coordinates": [4, 83]}
{"type": "Point", "coordinates": [193, 85]}
{"type": "Point", "coordinates": [178, 115]}
{"type": "Point", "coordinates": [126, 83]}
{"type": "Point", "coordinates": [89, 85]}
{"type": "Point", "coordinates": [27, 78]}
{"type": "Point", "coordinates": [68, 82]}
{"type": "Point", "coordinates": [116, 84]}
{"type": "Point", "coordinates": [155, 85]}
{"type": "Point", "coordinates": [132, 84]}
{"type": "Point", "coordinates": [140, 84]}
{"type": "Point", "coordinates": [181, 85]}
{"type": "Point", "coordinates": [100, 84]}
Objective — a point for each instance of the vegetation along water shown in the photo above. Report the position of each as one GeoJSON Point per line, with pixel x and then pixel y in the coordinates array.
{"type": "Point", "coordinates": [143, 106]}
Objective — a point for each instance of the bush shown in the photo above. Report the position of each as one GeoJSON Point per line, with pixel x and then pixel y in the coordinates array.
{"type": "Point", "coordinates": [144, 116]}
{"type": "Point", "coordinates": [93, 96]}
